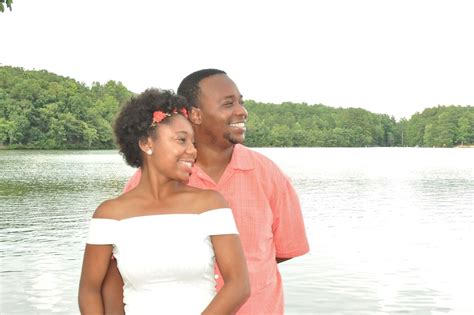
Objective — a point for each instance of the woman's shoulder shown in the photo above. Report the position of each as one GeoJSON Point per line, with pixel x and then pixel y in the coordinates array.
{"type": "Point", "coordinates": [208, 199]}
{"type": "Point", "coordinates": [109, 209]}
{"type": "Point", "coordinates": [214, 200]}
{"type": "Point", "coordinates": [120, 207]}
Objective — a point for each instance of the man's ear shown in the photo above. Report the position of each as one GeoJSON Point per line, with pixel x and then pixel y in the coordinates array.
{"type": "Point", "coordinates": [195, 116]}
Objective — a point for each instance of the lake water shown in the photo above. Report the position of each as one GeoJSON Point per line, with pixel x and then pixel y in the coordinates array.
{"type": "Point", "coordinates": [391, 230]}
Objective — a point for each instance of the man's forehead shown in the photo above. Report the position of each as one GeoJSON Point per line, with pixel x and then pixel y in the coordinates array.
{"type": "Point", "coordinates": [218, 84]}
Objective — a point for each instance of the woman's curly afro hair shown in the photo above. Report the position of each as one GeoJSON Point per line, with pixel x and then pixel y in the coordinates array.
{"type": "Point", "coordinates": [134, 122]}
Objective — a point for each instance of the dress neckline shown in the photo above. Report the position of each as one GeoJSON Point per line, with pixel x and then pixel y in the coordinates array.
{"type": "Point", "coordinates": [161, 215]}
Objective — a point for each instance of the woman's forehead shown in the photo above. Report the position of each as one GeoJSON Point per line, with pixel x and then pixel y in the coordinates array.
{"type": "Point", "coordinates": [177, 124]}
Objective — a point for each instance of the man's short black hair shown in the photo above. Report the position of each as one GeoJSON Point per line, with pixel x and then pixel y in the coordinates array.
{"type": "Point", "coordinates": [189, 87]}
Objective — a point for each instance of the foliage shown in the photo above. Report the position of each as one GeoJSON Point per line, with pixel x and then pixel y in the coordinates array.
{"type": "Point", "coordinates": [291, 124]}
{"type": "Point", "coordinates": [8, 3]}
{"type": "Point", "coordinates": [39, 109]}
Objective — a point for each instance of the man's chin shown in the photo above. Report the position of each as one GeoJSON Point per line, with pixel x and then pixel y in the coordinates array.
{"type": "Point", "coordinates": [237, 140]}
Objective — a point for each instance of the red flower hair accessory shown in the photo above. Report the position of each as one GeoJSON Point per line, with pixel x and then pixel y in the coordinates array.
{"type": "Point", "coordinates": [158, 116]}
{"type": "Point", "coordinates": [184, 112]}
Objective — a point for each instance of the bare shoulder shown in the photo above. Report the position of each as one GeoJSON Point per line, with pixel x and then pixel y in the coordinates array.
{"type": "Point", "coordinates": [210, 199]}
{"type": "Point", "coordinates": [108, 209]}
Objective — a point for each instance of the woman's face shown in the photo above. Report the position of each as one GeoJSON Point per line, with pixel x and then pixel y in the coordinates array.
{"type": "Point", "coordinates": [174, 153]}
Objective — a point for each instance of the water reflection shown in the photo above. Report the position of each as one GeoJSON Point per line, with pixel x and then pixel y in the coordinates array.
{"type": "Point", "coordinates": [390, 229]}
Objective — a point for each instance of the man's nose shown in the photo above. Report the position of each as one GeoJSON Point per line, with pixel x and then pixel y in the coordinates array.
{"type": "Point", "coordinates": [240, 110]}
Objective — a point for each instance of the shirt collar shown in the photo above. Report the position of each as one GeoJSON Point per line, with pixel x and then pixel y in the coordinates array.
{"type": "Point", "coordinates": [241, 158]}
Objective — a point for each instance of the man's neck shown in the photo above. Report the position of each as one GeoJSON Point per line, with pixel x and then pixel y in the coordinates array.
{"type": "Point", "coordinates": [213, 160]}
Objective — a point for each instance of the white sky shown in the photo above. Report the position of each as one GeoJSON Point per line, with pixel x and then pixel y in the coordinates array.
{"type": "Point", "coordinates": [392, 57]}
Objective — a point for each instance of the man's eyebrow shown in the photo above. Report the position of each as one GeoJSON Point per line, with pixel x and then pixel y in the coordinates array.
{"type": "Point", "coordinates": [232, 97]}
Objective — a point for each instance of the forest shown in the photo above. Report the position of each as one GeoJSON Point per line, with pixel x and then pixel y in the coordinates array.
{"type": "Point", "coordinates": [42, 110]}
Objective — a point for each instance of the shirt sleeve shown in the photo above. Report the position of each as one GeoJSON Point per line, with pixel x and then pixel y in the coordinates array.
{"type": "Point", "coordinates": [133, 181]}
{"type": "Point", "coordinates": [102, 231]}
{"type": "Point", "coordinates": [219, 222]}
{"type": "Point", "coordinates": [289, 232]}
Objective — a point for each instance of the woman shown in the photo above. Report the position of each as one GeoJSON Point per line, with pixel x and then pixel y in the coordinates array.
{"type": "Point", "coordinates": [163, 234]}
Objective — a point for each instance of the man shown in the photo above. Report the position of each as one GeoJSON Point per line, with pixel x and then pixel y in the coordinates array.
{"type": "Point", "coordinates": [263, 201]}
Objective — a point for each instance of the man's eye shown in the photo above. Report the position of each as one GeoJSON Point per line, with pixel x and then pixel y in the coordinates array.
{"type": "Point", "coordinates": [182, 140]}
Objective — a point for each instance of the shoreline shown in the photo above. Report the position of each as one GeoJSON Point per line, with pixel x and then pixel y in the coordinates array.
{"type": "Point", "coordinates": [27, 148]}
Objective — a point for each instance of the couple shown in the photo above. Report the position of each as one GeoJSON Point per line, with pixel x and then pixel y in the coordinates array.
{"type": "Point", "coordinates": [165, 234]}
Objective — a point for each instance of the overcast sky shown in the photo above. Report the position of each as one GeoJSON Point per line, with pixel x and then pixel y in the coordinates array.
{"type": "Point", "coordinates": [391, 57]}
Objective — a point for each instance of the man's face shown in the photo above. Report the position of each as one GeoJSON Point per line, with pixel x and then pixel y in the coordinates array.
{"type": "Point", "coordinates": [223, 116]}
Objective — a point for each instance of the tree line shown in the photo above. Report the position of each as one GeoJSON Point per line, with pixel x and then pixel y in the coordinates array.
{"type": "Point", "coordinates": [290, 124]}
{"type": "Point", "coordinates": [39, 109]}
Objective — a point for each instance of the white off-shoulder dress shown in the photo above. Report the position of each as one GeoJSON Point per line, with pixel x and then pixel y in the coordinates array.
{"type": "Point", "coordinates": [166, 260]}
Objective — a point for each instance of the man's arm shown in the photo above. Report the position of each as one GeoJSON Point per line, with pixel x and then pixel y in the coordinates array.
{"type": "Point", "coordinates": [280, 260]}
{"type": "Point", "coordinates": [289, 232]}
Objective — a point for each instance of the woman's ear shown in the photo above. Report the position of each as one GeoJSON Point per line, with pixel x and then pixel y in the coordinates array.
{"type": "Point", "coordinates": [146, 146]}
{"type": "Point", "coordinates": [195, 116]}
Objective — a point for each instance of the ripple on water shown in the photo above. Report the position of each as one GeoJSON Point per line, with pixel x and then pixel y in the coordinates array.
{"type": "Point", "coordinates": [390, 230]}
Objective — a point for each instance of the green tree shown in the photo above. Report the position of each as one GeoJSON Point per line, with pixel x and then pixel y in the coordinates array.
{"type": "Point", "coordinates": [44, 110]}
{"type": "Point", "coordinates": [280, 136]}
{"type": "Point", "coordinates": [446, 129]}
{"type": "Point", "coordinates": [8, 3]}
{"type": "Point", "coordinates": [429, 135]}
